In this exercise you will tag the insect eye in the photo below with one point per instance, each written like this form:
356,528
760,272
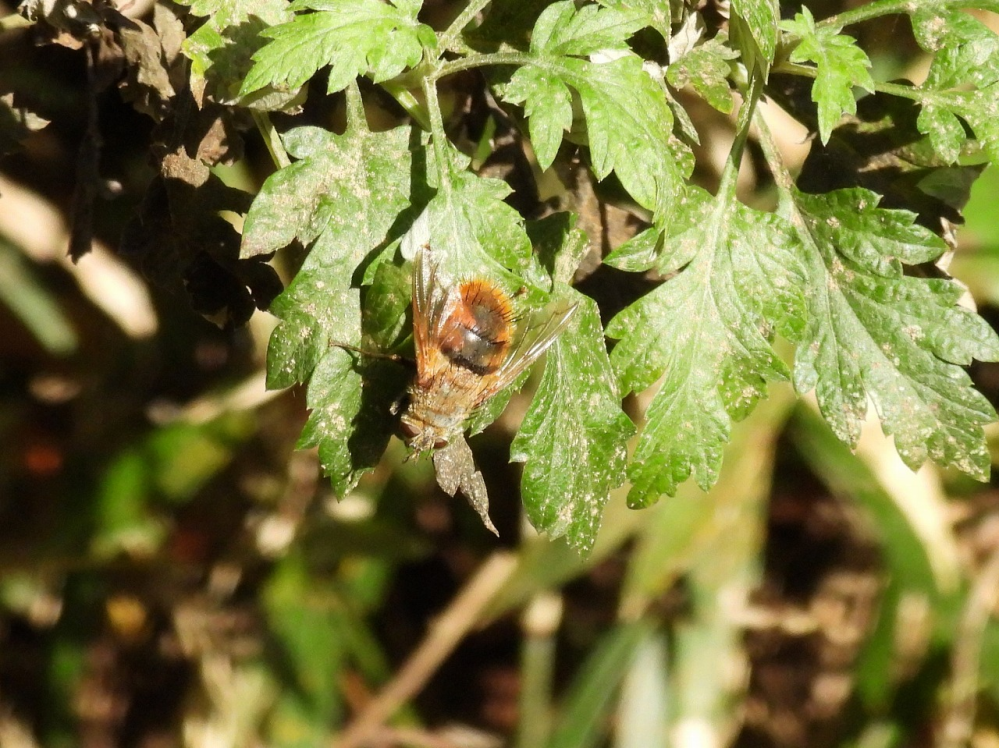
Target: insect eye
409,430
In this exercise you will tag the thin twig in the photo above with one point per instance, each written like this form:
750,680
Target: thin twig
445,633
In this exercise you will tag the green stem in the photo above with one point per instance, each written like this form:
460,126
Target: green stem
271,139
438,137
450,35
782,177
892,89
875,9
731,172
787,205
355,108
407,101
905,92
481,60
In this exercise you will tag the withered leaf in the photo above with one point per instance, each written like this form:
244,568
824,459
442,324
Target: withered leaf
456,471
147,82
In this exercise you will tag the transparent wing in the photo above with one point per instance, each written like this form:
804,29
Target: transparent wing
536,334
429,301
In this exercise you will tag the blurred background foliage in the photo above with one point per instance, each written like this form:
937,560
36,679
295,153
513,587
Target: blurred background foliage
173,572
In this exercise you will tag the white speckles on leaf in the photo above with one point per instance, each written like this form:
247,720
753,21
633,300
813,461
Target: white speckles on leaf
708,344
319,200
573,438
877,333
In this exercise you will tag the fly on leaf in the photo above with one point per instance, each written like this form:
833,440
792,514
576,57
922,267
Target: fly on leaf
469,346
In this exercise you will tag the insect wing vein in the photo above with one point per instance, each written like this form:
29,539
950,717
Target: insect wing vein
538,334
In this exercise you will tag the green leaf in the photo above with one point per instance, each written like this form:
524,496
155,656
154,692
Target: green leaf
977,108
753,30
963,79
638,254
506,22
705,68
899,341
562,29
184,457
574,436
945,131
222,47
124,518
306,619
341,199
548,106
964,49
346,189
840,65
221,14
472,231
656,14
707,332
353,37
628,120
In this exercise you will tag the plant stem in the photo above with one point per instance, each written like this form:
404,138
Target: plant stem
464,612
450,35
271,139
959,715
540,623
781,175
892,89
407,101
481,60
438,137
875,9
731,172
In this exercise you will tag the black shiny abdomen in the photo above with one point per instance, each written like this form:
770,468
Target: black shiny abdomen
475,352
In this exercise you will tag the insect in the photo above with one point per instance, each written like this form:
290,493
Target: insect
469,346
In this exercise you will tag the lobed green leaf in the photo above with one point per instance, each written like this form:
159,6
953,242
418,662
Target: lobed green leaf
342,199
230,35
963,79
705,68
656,14
707,332
877,335
562,29
573,439
753,30
840,66
353,37
628,120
